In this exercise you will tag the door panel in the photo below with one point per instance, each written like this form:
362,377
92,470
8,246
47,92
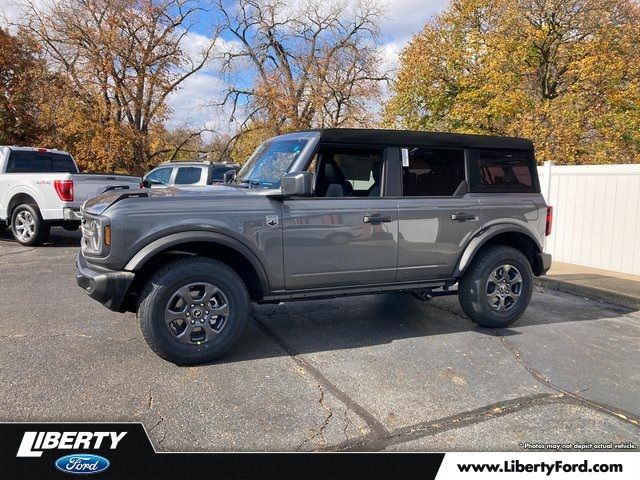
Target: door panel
328,243
430,242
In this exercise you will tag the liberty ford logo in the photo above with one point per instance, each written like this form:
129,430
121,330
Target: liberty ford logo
272,220
82,463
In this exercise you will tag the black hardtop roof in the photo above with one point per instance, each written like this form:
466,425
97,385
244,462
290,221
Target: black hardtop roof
407,138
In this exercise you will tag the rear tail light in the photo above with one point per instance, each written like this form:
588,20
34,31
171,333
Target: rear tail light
547,228
64,189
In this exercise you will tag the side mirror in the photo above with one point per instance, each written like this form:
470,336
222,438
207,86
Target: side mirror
229,176
146,184
297,184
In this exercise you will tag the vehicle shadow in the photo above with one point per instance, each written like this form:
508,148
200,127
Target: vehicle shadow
357,322
59,238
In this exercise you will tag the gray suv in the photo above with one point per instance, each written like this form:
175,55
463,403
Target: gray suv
321,214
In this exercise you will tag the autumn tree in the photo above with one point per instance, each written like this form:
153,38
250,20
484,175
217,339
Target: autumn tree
120,59
565,73
22,77
303,64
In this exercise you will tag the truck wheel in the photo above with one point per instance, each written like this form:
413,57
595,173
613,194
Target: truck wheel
27,225
497,287
193,310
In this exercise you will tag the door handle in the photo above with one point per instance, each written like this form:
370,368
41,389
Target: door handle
464,217
375,219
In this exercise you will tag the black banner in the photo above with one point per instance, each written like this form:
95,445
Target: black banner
123,450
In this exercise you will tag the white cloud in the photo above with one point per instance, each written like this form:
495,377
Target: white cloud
406,17
194,105
9,10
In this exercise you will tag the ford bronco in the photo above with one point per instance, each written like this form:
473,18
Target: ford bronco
317,214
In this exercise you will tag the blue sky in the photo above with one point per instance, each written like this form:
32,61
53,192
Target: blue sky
189,105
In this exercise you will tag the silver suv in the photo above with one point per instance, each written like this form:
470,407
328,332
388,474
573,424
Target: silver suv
321,214
193,173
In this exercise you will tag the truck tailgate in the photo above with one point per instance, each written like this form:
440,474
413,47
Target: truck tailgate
89,185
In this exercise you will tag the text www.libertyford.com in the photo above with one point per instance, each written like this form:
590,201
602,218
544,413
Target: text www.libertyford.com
515,466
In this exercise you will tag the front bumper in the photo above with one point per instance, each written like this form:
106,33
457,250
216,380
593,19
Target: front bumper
108,287
542,263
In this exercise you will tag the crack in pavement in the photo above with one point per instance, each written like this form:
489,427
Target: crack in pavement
616,412
66,335
320,432
17,253
376,428
452,312
458,420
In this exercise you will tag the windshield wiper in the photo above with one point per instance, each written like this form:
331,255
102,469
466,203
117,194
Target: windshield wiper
251,183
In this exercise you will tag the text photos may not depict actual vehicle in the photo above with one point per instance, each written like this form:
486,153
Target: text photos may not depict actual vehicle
319,214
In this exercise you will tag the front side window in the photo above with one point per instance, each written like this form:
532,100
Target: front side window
348,173
270,161
503,171
188,175
432,172
161,176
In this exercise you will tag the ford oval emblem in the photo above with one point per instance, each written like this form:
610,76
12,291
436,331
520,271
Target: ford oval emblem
82,463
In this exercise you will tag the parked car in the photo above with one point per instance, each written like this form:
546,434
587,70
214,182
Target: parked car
423,212
40,188
188,173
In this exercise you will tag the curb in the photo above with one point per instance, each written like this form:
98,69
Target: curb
595,293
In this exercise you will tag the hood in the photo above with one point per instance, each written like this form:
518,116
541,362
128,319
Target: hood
97,205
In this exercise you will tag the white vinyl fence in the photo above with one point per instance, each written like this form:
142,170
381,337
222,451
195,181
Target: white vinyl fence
596,215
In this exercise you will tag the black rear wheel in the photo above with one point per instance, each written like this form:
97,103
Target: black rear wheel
496,289
193,310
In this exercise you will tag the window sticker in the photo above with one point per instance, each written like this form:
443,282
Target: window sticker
405,157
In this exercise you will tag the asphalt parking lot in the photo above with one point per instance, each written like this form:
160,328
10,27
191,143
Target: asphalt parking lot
383,373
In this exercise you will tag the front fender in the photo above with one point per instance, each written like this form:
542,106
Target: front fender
487,233
161,244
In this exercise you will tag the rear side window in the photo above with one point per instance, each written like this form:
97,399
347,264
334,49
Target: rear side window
503,171
188,175
432,172
25,161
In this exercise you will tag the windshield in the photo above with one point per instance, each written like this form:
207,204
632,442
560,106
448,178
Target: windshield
270,161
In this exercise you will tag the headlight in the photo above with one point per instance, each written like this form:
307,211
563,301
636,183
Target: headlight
92,237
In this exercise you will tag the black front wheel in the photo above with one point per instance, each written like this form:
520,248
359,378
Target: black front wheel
496,289
193,310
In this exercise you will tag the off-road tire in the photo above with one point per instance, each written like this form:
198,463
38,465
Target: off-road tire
163,284
41,229
472,288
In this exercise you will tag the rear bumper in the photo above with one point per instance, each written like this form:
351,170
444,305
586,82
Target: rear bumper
542,263
71,214
108,287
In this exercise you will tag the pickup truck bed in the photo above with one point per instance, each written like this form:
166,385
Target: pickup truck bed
49,182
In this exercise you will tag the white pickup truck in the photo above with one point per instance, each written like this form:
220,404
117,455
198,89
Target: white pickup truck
40,188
